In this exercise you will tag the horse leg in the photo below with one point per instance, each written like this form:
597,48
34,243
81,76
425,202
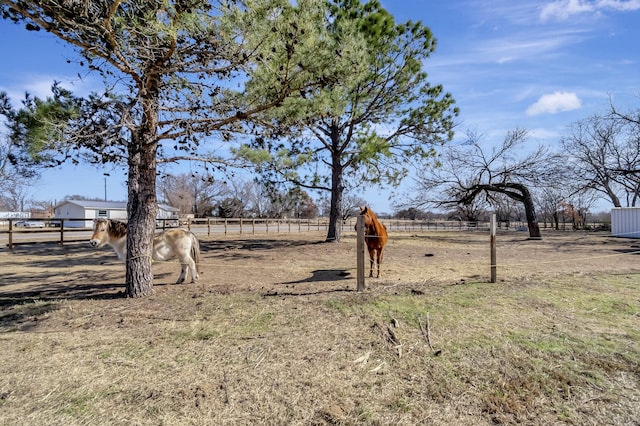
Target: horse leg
187,263
183,273
379,261
194,271
371,261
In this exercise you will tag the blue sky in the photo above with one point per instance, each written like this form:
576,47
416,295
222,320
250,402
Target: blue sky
534,64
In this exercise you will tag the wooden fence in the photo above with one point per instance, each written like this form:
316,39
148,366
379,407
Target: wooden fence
56,231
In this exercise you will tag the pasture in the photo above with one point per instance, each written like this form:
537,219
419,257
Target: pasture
275,333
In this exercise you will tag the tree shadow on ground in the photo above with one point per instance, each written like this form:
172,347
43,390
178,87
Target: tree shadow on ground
52,256
37,277
23,309
329,276
276,293
323,275
632,250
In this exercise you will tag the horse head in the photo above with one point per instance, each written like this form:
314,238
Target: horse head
368,216
105,230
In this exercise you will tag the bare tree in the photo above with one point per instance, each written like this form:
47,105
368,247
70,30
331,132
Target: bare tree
605,156
351,205
469,210
290,202
241,192
506,209
630,164
549,199
510,169
591,145
15,182
192,193
258,198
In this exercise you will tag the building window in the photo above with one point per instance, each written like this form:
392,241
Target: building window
102,213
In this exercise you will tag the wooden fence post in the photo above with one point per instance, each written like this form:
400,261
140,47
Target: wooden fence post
10,245
360,252
492,231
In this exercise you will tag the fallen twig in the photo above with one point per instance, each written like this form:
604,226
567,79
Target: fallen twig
426,331
225,386
363,359
389,336
392,336
374,370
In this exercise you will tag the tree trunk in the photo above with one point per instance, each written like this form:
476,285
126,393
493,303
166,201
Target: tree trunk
335,211
612,195
518,192
142,206
530,211
337,188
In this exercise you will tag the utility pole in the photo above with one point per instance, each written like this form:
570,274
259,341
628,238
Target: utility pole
105,186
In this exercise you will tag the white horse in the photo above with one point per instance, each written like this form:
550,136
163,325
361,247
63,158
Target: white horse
168,244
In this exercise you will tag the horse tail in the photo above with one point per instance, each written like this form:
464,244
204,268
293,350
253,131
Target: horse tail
195,250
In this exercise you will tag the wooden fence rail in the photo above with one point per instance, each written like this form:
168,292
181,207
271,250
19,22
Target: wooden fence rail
58,231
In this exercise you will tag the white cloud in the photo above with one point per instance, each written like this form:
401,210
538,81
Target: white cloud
554,103
622,5
563,9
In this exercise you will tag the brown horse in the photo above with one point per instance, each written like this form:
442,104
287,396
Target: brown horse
375,235
168,244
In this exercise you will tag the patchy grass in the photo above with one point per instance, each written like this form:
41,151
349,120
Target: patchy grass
418,347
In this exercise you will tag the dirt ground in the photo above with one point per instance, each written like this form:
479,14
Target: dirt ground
275,333
303,263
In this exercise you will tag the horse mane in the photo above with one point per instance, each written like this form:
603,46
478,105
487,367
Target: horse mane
117,229
367,211
376,226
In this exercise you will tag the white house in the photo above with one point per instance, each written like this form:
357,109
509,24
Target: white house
81,213
625,222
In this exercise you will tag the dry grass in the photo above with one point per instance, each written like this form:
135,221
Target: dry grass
276,334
